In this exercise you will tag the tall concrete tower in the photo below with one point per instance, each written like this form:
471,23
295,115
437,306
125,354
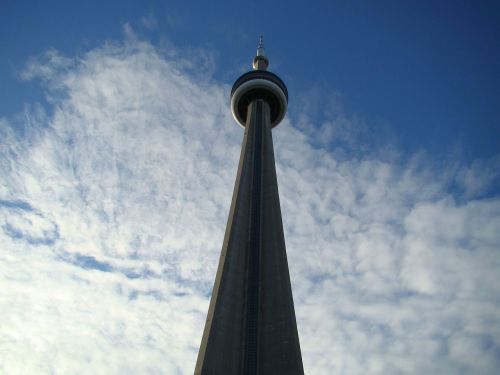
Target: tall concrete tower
251,327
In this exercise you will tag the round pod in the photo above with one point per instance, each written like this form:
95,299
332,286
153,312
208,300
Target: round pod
259,84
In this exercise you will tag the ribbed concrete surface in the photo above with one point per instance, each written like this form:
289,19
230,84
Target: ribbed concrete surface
251,327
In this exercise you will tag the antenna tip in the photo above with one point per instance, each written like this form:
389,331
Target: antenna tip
260,61
260,46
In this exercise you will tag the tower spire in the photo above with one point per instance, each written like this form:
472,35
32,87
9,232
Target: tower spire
260,61
260,46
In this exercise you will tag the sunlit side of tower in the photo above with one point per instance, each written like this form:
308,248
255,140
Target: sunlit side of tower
251,327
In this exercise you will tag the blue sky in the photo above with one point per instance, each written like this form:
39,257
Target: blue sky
426,71
118,155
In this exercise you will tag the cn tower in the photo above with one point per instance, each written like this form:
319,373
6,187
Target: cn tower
251,327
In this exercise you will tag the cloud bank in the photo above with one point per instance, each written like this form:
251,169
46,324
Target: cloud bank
113,204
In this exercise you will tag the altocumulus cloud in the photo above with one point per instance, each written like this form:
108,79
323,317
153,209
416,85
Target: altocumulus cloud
113,207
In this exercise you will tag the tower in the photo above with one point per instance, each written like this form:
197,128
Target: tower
251,327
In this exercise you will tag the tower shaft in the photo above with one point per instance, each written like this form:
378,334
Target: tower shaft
251,327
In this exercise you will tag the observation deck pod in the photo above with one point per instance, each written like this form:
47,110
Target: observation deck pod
259,84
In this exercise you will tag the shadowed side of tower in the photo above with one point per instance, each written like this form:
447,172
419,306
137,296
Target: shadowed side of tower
251,326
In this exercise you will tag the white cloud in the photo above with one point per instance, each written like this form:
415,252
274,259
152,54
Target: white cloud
112,211
479,178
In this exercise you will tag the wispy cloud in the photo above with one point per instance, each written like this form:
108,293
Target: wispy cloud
149,22
112,212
